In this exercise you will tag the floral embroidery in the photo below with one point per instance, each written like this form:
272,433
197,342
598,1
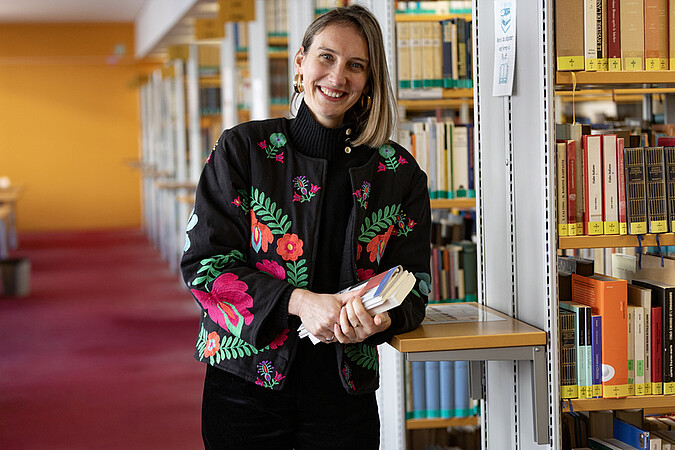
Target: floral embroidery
192,222
424,284
265,369
363,355
261,236
212,344
359,249
363,194
227,304
242,200
297,273
289,247
377,245
266,209
232,347
403,227
377,222
347,374
237,201
214,266
364,274
301,184
272,268
390,161
277,142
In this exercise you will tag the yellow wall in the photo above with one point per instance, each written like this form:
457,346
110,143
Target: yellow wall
69,121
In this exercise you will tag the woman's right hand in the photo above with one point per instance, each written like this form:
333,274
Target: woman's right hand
319,312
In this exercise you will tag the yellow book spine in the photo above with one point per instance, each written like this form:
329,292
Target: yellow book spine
597,390
615,391
612,227
657,388
659,226
562,229
569,391
638,228
633,64
571,63
595,228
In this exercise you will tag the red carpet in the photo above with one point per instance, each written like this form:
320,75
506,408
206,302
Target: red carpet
99,355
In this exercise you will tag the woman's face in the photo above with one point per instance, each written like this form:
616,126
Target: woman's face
335,71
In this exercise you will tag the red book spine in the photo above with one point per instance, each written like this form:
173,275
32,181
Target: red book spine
571,188
584,145
657,344
613,30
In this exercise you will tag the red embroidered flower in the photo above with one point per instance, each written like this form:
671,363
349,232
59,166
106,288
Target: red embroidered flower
227,304
272,268
279,340
377,245
402,160
280,157
212,344
296,197
411,223
237,201
314,188
381,167
262,144
364,274
261,235
289,247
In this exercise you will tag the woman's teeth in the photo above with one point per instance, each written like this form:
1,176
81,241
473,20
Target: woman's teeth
333,94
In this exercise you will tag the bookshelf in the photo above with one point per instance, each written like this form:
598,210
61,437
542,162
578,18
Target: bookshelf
453,203
610,241
643,78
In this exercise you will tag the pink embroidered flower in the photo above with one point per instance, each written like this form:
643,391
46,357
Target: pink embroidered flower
377,245
212,344
381,167
227,304
261,235
279,340
357,193
280,157
296,197
289,247
265,369
237,201
208,158
272,268
411,223
364,274
263,144
314,189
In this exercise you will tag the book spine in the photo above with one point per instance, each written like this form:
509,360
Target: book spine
639,352
590,35
630,434
419,403
447,53
568,355
593,224
416,76
403,54
636,204
601,35
668,343
427,54
596,351
610,185
657,350
561,196
571,189
621,186
446,388
432,389
632,34
631,350
656,34
671,35
462,398
655,186
669,156
614,35
569,16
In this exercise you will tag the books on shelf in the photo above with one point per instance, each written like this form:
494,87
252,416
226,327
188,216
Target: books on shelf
381,292
624,35
583,334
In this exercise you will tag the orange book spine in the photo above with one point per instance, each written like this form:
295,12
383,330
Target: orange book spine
608,297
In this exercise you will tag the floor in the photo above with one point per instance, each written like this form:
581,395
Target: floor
99,354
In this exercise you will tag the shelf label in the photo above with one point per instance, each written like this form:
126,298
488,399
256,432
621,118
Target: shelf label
505,47
236,10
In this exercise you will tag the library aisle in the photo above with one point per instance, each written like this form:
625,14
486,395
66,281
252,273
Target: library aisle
99,354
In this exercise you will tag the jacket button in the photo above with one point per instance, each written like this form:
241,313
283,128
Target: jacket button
348,149
348,131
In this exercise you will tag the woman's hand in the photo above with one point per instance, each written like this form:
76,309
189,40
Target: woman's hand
319,312
356,324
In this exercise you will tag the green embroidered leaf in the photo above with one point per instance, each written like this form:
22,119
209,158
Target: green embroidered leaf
267,211
295,274
381,220
363,355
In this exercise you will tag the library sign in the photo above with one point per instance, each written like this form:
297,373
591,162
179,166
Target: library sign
505,47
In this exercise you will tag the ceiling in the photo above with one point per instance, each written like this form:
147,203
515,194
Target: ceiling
27,11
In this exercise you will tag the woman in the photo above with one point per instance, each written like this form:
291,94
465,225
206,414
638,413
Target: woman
288,212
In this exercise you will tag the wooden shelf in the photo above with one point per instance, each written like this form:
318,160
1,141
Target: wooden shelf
651,402
610,241
489,334
449,203
625,77
426,105
412,17
423,424
277,41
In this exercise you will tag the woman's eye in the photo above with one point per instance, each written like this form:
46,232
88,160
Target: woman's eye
357,65
326,56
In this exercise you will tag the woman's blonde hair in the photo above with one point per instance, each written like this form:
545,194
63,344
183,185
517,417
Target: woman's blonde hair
377,122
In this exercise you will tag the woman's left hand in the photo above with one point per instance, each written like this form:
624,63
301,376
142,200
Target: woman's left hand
356,324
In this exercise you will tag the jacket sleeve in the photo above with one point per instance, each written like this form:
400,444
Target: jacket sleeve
246,302
411,251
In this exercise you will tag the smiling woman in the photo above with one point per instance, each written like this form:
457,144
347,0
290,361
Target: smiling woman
287,213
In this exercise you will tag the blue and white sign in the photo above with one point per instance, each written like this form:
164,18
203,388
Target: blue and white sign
505,47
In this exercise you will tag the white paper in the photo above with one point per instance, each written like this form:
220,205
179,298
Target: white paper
458,312
505,47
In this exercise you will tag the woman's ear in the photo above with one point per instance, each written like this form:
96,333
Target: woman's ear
299,57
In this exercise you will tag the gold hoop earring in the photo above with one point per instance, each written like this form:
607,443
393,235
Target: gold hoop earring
366,102
297,83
